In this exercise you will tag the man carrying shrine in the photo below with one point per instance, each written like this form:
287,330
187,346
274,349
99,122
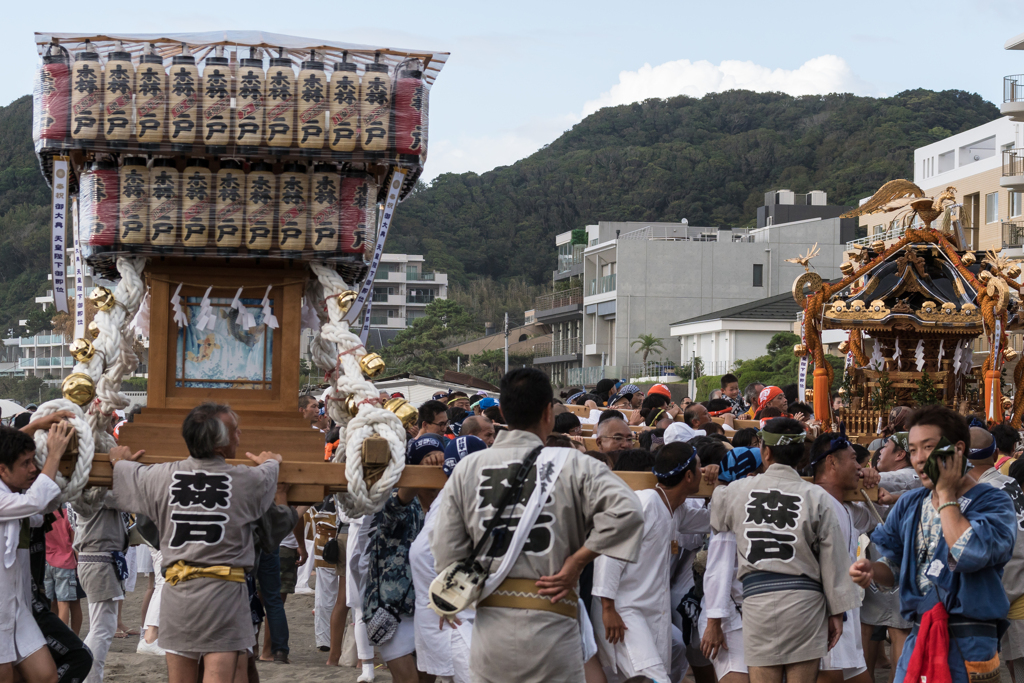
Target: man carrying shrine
790,551
204,509
526,630
946,544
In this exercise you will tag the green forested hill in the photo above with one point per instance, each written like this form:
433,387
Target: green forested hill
24,217
709,160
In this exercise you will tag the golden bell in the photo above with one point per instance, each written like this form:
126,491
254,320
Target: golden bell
984,276
1010,354
405,412
82,350
78,388
372,365
847,268
351,407
878,246
799,349
93,329
844,346
346,299
1013,272
968,259
102,297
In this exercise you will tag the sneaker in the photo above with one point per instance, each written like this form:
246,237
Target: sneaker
144,648
324,648
281,657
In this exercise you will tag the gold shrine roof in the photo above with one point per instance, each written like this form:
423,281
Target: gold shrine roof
916,287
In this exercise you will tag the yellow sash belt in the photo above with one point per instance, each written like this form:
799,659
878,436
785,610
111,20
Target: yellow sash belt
179,571
522,594
1016,609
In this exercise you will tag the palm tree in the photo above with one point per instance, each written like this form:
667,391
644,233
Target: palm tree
646,343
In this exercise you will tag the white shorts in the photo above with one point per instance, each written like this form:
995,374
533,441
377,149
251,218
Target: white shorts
731,660
144,558
402,643
27,638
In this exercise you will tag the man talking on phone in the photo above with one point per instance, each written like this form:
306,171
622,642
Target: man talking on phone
946,544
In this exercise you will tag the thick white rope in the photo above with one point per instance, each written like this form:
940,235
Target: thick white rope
337,351
69,488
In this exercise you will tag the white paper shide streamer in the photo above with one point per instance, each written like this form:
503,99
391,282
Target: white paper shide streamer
896,355
268,312
179,314
206,319
919,354
246,320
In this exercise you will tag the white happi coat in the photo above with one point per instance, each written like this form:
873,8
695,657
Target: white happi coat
15,578
641,593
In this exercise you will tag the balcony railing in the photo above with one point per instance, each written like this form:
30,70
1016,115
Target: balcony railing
380,298
1013,162
893,234
652,368
560,347
567,261
1013,235
590,376
378,320
570,297
381,275
417,275
26,362
419,298
602,285
1013,88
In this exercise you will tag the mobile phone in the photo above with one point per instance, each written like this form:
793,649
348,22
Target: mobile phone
931,466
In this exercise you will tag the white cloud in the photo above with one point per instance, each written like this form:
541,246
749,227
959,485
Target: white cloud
817,76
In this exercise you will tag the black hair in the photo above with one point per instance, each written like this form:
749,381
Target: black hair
525,395
430,410
655,415
717,404
494,414
744,437
728,379
611,415
800,407
14,444
792,453
203,430
583,398
712,451
1006,437
305,399
820,445
767,412
646,439
21,420
714,429
863,454
1017,470
719,436
566,422
558,441
671,456
456,415
791,392
952,424
634,460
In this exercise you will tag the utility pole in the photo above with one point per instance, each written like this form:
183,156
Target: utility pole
506,343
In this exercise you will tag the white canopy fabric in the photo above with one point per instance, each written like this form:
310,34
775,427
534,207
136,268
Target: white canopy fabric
201,44
9,408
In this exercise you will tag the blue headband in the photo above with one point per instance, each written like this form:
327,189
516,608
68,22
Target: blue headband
573,397
838,443
983,453
678,469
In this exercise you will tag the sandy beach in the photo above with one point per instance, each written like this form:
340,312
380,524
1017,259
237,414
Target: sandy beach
124,665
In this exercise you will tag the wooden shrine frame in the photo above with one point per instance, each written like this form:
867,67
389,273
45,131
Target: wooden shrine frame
289,284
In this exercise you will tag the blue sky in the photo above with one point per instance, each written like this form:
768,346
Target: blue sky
522,73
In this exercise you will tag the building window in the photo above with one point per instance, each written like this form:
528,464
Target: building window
759,275
992,207
1015,203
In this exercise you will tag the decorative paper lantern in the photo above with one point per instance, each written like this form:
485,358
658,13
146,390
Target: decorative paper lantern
98,189
102,298
325,208
343,93
250,103
86,97
118,89
216,100
134,203
82,350
259,209
280,102
54,95
372,365
196,206
293,214
357,198
78,388
375,107
164,204
183,100
411,114
151,100
312,100
229,207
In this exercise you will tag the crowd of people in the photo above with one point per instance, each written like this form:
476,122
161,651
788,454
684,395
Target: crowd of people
560,571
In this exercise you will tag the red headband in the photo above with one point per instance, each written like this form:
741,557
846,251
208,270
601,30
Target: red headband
767,394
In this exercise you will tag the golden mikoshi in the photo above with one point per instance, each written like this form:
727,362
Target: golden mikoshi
82,350
78,388
372,365
102,297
